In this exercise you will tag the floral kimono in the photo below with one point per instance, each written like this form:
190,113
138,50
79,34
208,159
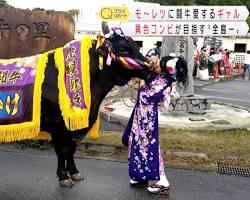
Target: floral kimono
141,134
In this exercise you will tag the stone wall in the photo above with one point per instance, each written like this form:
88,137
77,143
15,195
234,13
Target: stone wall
190,104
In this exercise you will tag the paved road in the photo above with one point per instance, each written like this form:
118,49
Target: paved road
30,175
235,92
107,126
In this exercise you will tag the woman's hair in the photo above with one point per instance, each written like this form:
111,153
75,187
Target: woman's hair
181,69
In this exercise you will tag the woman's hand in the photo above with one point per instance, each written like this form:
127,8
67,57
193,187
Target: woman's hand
155,63
161,103
142,82
138,82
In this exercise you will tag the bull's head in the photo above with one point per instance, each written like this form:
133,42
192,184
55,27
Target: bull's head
121,54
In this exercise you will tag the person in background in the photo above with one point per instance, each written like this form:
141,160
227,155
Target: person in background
155,51
224,63
141,135
196,60
214,60
231,58
246,66
227,53
203,58
211,63
158,49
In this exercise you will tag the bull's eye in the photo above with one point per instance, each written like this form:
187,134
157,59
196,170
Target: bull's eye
124,50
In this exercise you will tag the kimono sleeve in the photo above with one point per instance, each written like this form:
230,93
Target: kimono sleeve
154,92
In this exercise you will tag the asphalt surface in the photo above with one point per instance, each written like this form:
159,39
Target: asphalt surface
108,126
30,175
236,92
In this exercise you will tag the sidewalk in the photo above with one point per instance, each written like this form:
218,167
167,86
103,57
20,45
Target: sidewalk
200,83
221,116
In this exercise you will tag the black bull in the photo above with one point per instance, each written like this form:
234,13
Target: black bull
26,34
101,82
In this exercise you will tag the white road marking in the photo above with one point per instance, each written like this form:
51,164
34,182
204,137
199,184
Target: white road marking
216,97
231,91
237,82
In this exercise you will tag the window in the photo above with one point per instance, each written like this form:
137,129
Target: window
240,47
139,43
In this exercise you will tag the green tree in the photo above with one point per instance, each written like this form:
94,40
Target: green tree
171,2
4,4
225,2
202,2
162,2
181,2
248,21
73,12
247,4
38,9
198,2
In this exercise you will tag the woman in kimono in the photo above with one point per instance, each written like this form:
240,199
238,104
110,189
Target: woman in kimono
141,134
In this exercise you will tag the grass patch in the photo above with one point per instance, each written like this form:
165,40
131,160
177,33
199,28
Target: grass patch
26,144
233,143
229,147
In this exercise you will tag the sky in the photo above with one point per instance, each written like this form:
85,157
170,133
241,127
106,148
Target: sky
62,5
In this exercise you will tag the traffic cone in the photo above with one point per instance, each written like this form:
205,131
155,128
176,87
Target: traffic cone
239,69
216,71
227,70
230,71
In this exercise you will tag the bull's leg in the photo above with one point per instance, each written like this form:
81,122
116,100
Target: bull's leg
61,143
70,165
64,179
52,121
63,176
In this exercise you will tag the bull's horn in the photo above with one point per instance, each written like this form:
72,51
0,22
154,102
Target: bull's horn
105,28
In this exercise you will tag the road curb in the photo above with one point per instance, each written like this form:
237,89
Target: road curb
118,149
231,105
216,81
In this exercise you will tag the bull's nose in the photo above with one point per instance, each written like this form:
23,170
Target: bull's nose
146,64
142,63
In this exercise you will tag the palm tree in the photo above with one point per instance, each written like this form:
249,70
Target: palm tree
74,13
4,4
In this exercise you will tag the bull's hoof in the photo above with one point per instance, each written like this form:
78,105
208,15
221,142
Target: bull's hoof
77,177
66,183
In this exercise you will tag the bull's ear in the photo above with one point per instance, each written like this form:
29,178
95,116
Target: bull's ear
101,48
100,41
105,28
